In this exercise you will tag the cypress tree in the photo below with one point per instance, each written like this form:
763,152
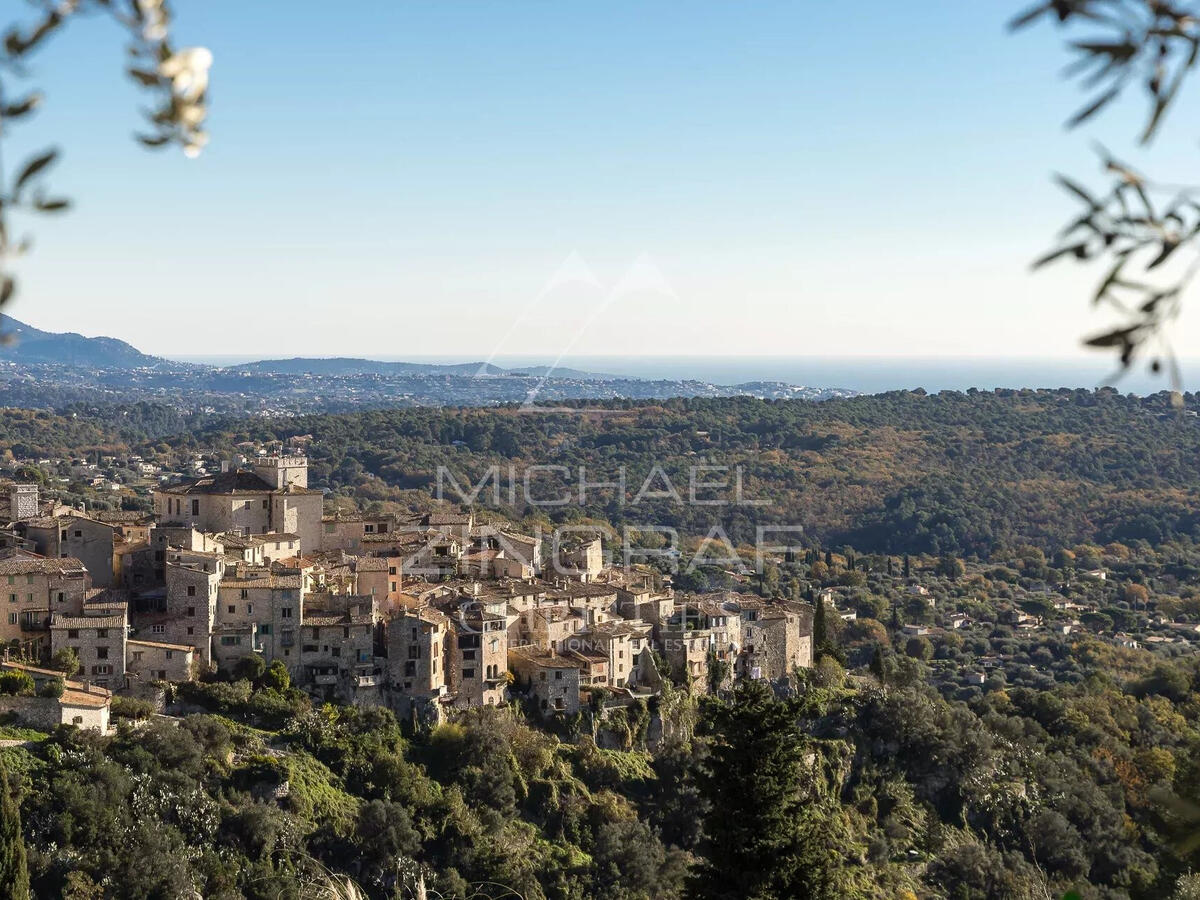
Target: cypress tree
877,665
820,629
14,873
766,836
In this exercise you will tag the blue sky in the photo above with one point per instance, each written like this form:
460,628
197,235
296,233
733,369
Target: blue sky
402,178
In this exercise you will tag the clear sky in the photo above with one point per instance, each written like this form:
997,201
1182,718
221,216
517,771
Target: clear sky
408,178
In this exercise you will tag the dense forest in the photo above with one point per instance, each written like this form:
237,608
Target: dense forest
1071,764
964,473
851,786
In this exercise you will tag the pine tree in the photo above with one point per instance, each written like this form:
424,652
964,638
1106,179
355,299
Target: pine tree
766,836
14,874
907,566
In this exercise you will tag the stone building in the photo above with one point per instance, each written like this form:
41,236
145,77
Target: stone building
189,610
272,498
259,611
72,534
31,588
550,681
418,647
479,657
776,640
99,643
148,661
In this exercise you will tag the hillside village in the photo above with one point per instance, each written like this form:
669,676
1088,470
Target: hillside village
423,614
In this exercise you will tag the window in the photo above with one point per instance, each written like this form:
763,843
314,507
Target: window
392,571
191,611
468,654
191,629
79,534
369,529
72,633
309,648
170,654
137,655
61,597
264,504
285,612
264,629
101,632
330,528
191,592
195,507
468,673
12,598
230,640
558,674
158,629
249,609
232,609
101,653
63,536
12,618
102,670
245,593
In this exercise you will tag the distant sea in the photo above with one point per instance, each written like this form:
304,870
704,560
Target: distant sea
869,375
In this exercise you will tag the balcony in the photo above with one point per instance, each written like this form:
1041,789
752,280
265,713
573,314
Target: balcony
40,623
325,680
367,680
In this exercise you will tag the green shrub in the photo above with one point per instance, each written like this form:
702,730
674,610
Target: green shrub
132,708
16,683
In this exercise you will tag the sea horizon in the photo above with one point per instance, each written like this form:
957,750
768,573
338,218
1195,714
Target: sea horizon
868,375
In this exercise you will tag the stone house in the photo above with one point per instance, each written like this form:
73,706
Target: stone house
479,657
99,643
776,641
551,681
31,588
418,648
339,642
346,531
189,611
259,611
82,704
148,661
272,498
77,536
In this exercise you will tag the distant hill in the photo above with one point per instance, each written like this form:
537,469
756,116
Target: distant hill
33,346
342,365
